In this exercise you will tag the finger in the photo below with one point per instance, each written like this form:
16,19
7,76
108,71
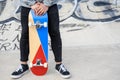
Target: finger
35,11
40,11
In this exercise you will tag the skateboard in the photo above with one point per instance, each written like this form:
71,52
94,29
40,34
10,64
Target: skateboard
38,43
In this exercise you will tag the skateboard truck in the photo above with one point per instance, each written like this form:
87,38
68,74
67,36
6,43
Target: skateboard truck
38,24
38,63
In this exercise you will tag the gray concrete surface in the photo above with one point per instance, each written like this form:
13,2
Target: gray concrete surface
84,63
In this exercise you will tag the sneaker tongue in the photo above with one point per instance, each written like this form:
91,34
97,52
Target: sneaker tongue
62,68
19,68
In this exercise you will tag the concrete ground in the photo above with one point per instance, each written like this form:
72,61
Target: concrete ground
84,63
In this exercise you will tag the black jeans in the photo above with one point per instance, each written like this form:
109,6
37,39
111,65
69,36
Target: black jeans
53,29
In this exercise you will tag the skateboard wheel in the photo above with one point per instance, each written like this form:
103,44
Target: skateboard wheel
30,24
31,65
45,24
45,65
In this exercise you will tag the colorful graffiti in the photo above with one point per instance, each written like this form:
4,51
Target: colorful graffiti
84,10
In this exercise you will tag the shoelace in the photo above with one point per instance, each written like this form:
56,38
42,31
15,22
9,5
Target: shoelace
62,68
19,68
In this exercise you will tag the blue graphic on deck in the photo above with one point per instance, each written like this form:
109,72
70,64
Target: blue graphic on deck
42,31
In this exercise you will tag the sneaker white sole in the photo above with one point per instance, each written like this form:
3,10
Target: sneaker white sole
18,76
64,76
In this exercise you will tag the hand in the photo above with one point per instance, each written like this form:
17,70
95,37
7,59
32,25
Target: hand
35,7
42,9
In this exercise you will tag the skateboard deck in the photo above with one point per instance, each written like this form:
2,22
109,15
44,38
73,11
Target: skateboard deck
38,43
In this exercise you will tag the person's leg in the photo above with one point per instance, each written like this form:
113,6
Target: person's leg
56,43
24,41
53,28
24,45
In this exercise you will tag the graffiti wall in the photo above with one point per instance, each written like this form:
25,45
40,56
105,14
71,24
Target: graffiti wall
82,10
10,36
